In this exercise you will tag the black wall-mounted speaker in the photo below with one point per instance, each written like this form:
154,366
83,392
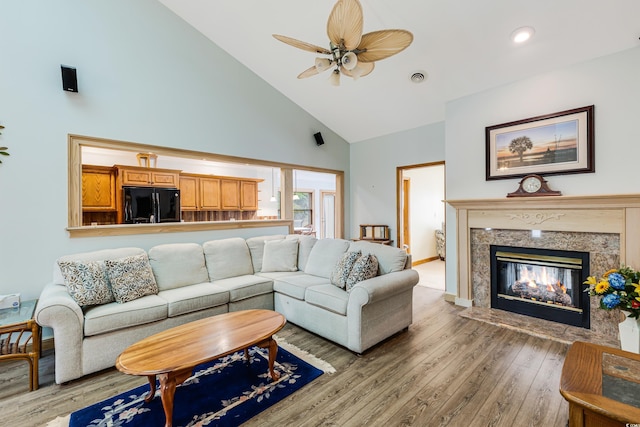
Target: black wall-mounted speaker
69,79
318,137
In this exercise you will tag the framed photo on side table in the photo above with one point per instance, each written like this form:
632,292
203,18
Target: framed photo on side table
554,144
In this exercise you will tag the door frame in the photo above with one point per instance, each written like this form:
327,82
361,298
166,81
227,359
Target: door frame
401,197
405,243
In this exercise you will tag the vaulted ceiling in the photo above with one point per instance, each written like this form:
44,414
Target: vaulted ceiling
462,46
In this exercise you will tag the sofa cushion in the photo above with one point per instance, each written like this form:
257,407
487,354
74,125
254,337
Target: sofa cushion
100,255
86,282
243,287
296,285
256,248
278,274
390,258
112,317
329,297
131,277
341,271
365,267
178,264
194,298
227,258
305,244
280,255
324,256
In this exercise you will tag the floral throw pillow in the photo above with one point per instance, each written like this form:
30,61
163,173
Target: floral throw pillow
86,282
131,278
342,269
364,268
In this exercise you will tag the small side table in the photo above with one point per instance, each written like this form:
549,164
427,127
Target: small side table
379,241
18,331
602,386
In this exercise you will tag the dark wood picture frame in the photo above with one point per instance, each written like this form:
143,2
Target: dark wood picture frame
538,146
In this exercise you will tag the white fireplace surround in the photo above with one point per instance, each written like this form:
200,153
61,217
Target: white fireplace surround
619,214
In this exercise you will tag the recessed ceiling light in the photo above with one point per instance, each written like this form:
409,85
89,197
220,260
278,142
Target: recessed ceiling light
522,34
418,76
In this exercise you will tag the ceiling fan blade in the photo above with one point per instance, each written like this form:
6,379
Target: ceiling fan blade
382,44
361,70
311,71
345,24
302,45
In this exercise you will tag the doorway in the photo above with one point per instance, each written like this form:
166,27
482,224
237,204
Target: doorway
421,215
328,215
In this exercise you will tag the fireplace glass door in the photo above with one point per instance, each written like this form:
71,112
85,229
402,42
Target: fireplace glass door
542,283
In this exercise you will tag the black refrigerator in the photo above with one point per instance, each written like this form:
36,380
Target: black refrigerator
150,205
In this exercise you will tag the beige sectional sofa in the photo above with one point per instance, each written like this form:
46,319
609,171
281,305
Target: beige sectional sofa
314,283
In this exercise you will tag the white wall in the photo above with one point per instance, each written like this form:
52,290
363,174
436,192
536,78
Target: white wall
373,172
145,76
426,209
610,83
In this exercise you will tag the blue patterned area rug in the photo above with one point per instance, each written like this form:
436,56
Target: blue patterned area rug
224,392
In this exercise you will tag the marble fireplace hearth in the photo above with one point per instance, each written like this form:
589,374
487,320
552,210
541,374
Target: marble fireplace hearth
565,334
606,227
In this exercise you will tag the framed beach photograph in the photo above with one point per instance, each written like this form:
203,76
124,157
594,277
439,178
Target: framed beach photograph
554,144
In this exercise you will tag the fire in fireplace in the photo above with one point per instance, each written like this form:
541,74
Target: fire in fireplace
543,283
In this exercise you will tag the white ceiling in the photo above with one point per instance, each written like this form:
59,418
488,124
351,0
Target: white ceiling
463,45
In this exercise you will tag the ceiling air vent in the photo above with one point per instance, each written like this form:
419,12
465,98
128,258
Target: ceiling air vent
418,77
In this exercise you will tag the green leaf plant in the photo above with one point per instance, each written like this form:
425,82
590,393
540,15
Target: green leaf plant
2,149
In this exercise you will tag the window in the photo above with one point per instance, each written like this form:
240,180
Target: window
303,209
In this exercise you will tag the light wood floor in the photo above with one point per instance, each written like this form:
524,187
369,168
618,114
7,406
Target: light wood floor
444,371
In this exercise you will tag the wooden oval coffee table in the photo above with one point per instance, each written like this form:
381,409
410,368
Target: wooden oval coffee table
171,355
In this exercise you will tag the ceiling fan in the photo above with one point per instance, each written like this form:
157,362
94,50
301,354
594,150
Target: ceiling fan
350,52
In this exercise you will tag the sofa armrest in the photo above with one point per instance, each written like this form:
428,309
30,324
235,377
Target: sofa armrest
56,307
382,287
58,311
379,307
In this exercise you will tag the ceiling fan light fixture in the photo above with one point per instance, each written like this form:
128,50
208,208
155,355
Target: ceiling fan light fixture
348,46
334,79
356,72
323,64
522,34
349,60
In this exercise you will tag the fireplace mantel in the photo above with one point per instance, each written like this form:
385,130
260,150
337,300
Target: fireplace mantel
618,214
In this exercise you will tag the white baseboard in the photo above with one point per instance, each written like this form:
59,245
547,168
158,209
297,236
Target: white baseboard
450,297
464,302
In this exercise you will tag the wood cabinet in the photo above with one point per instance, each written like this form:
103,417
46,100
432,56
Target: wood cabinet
202,197
209,193
230,194
137,176
189,198
249,195
199,192
147,177
239,194
218,198
99,204
98,188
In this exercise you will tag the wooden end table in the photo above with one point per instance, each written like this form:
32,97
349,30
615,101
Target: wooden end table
602,386
172,354
18,331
